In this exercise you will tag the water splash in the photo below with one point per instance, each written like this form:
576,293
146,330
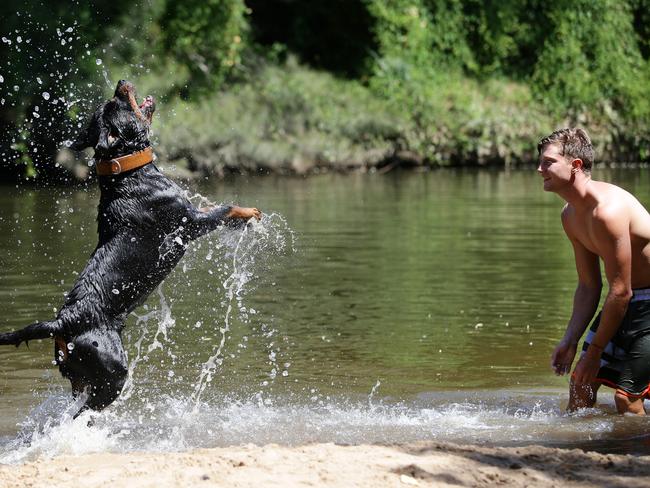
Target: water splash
269,237
164,321
373,392
238,259
234,286
174,424
50,92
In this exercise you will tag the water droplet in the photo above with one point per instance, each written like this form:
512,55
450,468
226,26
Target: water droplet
46,95
2,80
16,88
70,346
98,61
115,291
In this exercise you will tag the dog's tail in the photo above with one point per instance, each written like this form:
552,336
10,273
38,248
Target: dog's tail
39,330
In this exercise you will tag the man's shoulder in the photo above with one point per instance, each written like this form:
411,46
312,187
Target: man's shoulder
605,188
613,202
568,219
567,212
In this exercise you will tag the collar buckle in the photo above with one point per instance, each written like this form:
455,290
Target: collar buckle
116,167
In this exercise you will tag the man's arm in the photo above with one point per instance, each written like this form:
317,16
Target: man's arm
585,301
611,234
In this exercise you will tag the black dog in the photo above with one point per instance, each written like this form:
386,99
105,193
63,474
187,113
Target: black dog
145,223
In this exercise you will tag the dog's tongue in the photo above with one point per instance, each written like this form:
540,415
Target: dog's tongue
147,101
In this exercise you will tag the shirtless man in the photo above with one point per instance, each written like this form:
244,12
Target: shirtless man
603,222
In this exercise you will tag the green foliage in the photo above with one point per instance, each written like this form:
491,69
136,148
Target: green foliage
591,57
641,13
333,35
287,118
446,81
582,61
207,36
46,50
419,35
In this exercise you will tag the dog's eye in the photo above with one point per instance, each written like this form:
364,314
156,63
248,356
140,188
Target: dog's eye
95,343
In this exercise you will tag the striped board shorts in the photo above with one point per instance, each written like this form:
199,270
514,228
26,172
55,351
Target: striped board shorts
625,361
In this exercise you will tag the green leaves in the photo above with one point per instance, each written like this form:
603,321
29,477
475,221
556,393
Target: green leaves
207,36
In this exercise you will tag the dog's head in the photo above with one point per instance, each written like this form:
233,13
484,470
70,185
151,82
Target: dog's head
119,126
125,94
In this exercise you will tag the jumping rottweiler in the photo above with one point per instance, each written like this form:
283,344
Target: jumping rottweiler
145,222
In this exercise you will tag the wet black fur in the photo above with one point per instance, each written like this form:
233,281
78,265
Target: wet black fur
145,222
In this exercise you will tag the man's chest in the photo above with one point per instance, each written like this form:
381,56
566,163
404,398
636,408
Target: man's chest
583,232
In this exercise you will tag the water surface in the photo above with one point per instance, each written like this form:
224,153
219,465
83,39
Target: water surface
364,308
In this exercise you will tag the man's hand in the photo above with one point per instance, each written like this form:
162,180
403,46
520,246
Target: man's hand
245,213
587,368
563,356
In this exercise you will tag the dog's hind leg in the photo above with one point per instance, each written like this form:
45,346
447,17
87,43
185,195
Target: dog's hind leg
39,330
102,392
98,366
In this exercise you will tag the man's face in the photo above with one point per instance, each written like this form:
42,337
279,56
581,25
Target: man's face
554,168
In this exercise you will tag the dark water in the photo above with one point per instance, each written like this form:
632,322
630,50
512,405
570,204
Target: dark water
365,308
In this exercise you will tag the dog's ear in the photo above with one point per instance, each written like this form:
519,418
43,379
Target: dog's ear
103,141
90,135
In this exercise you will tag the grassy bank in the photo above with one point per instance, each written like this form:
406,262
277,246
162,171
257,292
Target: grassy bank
291,119
295,120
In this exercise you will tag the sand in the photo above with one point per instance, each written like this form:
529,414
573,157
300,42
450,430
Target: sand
418,464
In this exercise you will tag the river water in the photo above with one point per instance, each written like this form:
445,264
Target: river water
363,308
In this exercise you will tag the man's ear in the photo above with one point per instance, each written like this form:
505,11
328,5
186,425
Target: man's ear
576,165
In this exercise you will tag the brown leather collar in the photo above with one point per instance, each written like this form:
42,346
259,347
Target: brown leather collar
113,167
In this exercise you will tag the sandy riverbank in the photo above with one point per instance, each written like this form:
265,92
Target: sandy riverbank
418,464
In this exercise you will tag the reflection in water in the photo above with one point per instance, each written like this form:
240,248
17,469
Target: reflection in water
410,306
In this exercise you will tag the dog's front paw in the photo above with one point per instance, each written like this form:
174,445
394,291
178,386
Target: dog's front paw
247,213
